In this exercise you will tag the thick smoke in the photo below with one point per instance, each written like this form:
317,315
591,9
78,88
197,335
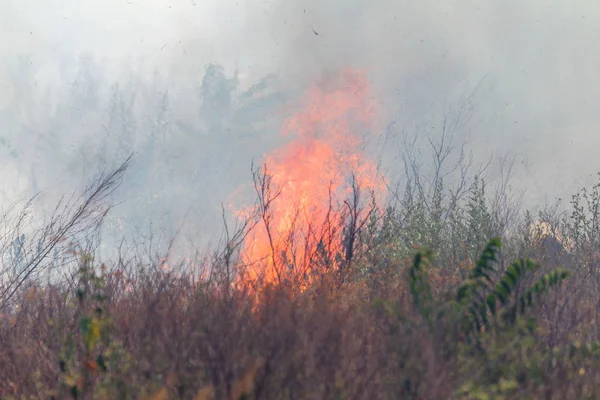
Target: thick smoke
197,90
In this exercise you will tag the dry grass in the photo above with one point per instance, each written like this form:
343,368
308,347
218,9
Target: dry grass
167,337
135,331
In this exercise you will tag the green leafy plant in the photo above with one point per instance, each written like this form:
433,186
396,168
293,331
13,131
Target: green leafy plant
490,313
92,362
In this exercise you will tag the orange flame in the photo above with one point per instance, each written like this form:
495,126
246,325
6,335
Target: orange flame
304,185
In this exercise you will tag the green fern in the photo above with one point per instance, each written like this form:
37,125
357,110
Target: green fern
482,303
480,299
551,279
482,315
480,275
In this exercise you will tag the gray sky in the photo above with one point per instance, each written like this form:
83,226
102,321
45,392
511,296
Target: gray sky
536,60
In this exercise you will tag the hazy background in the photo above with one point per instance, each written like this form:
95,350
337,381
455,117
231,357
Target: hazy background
84,83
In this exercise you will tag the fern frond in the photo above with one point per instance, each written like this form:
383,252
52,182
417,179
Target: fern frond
512,276
484,264
549,280
480,275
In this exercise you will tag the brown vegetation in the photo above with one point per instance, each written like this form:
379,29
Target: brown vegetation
459,321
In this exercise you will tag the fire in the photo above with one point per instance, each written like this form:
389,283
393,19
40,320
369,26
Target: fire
308,187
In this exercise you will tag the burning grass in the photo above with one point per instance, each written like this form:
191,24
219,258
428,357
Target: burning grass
311,187
167,335
324,293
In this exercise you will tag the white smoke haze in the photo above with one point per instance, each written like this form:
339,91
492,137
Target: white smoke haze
84,83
